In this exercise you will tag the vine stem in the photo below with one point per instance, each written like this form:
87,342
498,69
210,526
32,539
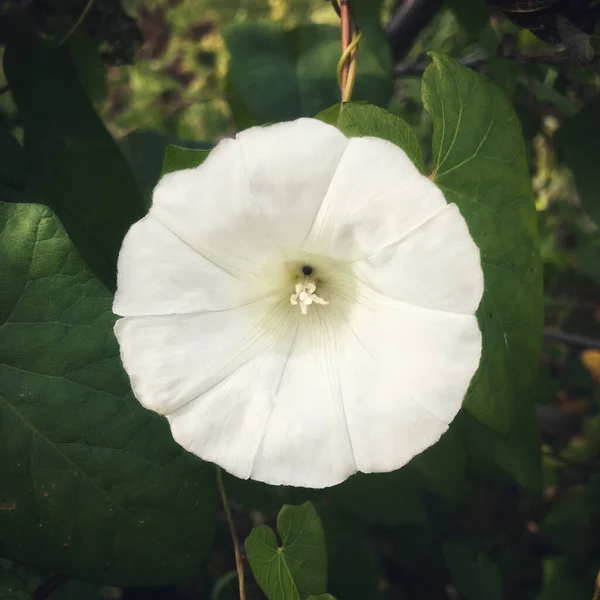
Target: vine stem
345,17
239,565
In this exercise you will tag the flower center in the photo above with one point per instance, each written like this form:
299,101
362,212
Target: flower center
304,292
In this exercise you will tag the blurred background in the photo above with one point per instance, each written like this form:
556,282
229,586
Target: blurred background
190,72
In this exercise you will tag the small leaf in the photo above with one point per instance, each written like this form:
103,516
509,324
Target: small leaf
297,568
74,164
177,158
480,165
93,485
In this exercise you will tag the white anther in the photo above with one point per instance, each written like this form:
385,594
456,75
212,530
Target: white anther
305,295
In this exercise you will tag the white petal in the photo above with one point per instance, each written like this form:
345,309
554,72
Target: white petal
252,196
159,274
290,167
376,197
435,266
172,360
404,373
306,440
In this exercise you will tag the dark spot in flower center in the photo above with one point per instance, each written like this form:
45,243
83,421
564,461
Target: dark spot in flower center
307,270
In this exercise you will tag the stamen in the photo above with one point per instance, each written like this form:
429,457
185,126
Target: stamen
304,295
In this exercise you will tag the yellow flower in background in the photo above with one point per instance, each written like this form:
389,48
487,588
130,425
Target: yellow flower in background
301,306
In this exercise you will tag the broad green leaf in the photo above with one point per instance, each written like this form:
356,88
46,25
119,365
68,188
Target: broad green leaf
177,158
73,162
297,568
577,141
387,499
480,165
276,75
93,485
366,120
89,65
476,577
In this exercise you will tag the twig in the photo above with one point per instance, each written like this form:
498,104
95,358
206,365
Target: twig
77,23
239,565
48,587
572,339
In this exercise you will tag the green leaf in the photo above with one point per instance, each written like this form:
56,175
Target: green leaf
277,75
387,499
577,141
476,577
322,597
443,467
472,15
145,153
93,485
89,65
480,165
73,162
177,158
356,120
297,568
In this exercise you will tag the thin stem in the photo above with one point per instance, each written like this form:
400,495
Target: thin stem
346,38
571,339
77,23
239,565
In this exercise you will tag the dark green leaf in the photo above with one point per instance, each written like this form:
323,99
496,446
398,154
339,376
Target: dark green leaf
297,568
322,597
74,164
89,65
349,551
577,142
145,152
12,161
480,165
473,15
276,75
177,158
93,486
388,499
443,467
476,577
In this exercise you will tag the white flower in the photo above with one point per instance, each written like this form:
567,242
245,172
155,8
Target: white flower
301,306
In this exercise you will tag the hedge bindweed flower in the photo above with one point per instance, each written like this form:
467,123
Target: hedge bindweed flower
301,306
